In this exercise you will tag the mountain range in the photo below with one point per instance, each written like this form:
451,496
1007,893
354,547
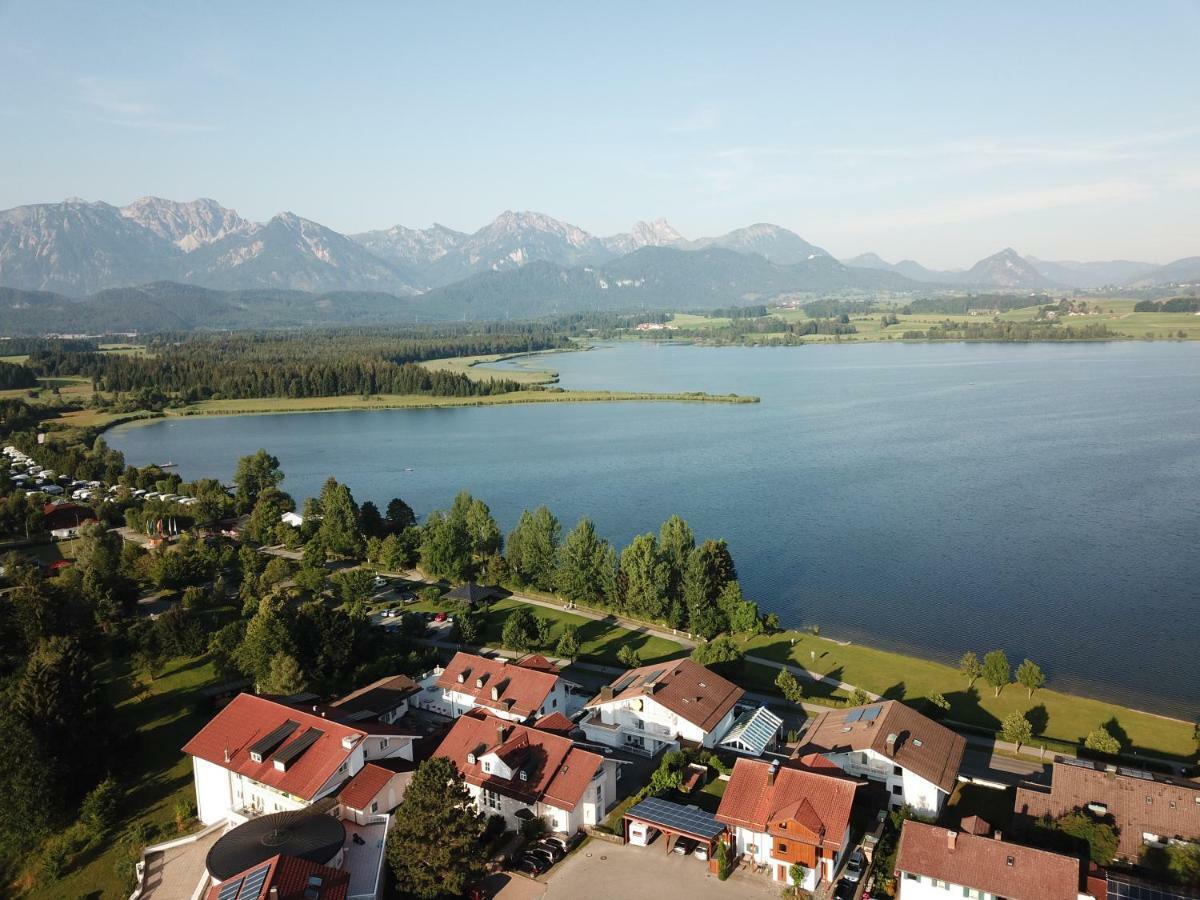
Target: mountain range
76,249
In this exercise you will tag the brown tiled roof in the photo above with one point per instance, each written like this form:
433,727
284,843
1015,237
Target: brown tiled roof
686,688
289,876
557,771
538,663
997,867
1138,802
378,698
922,745
521,691
248,718
365,786
819,802
556,722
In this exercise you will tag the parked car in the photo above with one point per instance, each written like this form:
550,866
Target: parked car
390,613
845,890
854,867
439,617
568,843
380,582
540,853
684,846
555,849
531,865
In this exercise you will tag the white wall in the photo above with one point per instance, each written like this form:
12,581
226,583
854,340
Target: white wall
764,844
658,718
214,795
923,796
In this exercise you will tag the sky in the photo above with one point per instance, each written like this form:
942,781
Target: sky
934,131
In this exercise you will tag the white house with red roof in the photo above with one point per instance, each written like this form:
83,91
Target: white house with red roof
375,790
784,815
258,756
655,707
520,772
283,878
506,689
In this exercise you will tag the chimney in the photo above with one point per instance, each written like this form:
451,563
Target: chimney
998,835
274,894
649,686
500,730
771,772
951,839
891,743
606,692
226,754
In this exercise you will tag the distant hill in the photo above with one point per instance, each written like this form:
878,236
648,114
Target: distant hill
1091,275
776,244
168,306
1182,271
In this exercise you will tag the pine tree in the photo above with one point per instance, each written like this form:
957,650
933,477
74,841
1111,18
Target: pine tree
436,802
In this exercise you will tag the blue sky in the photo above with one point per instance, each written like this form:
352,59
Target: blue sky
941,132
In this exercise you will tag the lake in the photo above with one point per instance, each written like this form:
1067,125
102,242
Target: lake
923,497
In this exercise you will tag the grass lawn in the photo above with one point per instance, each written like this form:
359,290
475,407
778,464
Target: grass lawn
757,677
1056,716
689,321
477,369
160,724
599,641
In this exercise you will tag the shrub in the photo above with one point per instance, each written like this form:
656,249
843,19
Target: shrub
532,829
496,826
723,861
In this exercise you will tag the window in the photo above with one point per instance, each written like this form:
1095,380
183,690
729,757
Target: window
383,743
487,765
781,847
897,789
490,799
374,806
897,771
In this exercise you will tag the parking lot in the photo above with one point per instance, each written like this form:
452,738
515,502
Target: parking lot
602,871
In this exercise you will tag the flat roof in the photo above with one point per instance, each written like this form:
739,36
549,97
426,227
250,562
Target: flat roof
687,820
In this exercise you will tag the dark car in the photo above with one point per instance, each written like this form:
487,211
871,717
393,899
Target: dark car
555,849
531,864
845,890
541,853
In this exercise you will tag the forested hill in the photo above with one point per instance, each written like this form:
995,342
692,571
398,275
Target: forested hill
653,278
167,306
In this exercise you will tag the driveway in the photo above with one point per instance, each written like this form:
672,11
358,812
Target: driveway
601,871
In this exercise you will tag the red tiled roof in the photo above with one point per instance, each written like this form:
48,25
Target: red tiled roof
819,802
986,864
556,722
538,663
922,745
558,771
1139,803
519,690
684,687
247,719
290,877
365,786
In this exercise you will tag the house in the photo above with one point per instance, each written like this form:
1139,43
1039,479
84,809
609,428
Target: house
916,758
784,815
63,520
934,862
471,594
656,707
258,755
505,689
375,789
521,773
1147,810
284,878
385,700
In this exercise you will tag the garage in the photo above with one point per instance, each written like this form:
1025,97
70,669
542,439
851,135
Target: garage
674,820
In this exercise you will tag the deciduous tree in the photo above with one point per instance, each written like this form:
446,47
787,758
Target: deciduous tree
970,668
1030,676
996,671
1016,729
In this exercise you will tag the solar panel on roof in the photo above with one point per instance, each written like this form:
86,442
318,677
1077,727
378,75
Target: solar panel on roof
262,748
292,751
623,683
229,889
676,817
254,883
654,676
853,716
1122,887
871,713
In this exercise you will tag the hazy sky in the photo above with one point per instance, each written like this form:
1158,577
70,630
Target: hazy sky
941,132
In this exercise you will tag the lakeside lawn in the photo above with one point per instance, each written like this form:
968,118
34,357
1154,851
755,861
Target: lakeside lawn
160,723
1055,716
478,368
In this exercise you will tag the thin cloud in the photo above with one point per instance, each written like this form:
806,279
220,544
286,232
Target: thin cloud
700,118
114,103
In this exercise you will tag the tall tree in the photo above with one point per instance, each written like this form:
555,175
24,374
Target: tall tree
255,473
520,631
339,520
582,564
284,676
399,515
445,547
646,578
482,530
996,670
676,541
436,802
1030,676
268,633
708,569
533,548
970,668
1016,728
370,522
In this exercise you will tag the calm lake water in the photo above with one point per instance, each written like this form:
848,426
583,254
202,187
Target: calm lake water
931,498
